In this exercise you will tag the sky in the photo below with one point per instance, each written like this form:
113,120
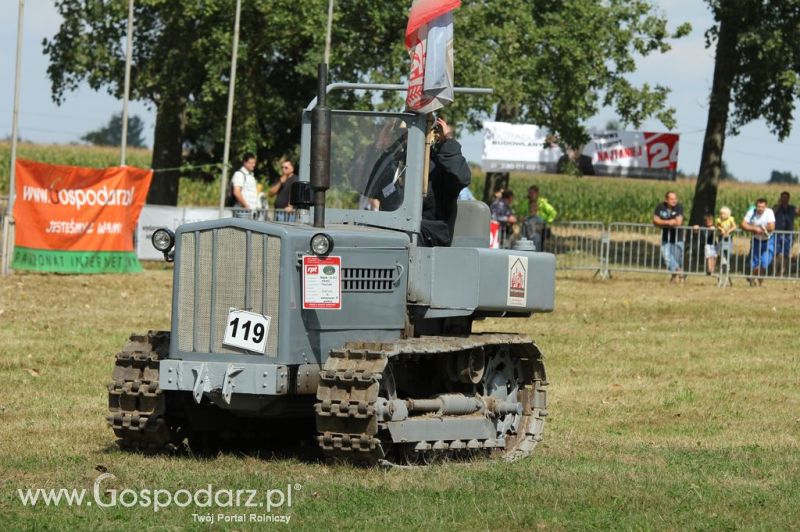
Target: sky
687,69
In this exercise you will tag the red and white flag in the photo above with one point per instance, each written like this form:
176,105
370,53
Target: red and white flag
429,39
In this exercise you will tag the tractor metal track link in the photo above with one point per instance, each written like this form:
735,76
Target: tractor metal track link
136,404
350,384
348,389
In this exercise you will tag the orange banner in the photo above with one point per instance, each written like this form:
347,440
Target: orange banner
72,209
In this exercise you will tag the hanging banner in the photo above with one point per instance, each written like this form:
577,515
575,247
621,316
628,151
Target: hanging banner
429,39
77,220
529,148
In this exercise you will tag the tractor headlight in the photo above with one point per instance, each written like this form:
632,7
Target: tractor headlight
163,240
321,244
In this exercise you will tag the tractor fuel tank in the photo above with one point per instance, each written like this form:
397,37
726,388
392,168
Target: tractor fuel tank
460,281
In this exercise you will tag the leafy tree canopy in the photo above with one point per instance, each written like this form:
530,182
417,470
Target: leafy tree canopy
551,63
756,75
783,177
111,133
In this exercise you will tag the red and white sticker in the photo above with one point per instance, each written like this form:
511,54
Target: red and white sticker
322,282
517,294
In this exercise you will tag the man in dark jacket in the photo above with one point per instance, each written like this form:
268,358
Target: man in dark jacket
447,175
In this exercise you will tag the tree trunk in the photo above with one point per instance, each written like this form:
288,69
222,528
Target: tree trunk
505,113
725,65
167,152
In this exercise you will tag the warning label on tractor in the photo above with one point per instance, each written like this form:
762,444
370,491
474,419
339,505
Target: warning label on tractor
517,281
322,286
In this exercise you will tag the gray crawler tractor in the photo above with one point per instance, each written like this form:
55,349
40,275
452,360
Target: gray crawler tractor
342,320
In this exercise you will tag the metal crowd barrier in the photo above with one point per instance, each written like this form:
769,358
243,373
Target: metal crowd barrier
577,245
640,248
776,257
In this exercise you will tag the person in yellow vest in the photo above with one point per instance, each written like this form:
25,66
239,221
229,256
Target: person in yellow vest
540,215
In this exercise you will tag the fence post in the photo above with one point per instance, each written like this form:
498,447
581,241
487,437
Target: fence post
605,246
724,279
7,245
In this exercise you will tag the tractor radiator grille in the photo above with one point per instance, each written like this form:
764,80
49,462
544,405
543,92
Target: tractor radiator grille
223,268
368,279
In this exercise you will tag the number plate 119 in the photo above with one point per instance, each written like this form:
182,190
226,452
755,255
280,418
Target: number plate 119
247,330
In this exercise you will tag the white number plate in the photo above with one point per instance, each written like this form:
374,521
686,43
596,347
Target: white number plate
247,330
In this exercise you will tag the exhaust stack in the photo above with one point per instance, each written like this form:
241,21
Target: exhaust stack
320,147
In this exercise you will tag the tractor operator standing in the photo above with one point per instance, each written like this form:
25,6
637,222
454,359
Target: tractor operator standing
448,174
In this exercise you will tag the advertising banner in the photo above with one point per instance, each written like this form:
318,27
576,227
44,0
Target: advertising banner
77,220
529,148
160,216
155,217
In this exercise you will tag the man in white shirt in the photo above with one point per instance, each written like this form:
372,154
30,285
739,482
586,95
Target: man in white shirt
243,184
760,222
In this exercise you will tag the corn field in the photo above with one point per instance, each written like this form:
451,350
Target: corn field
603,199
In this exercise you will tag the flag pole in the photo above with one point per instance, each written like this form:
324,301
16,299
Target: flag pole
128,54
429,137
223,182
8,220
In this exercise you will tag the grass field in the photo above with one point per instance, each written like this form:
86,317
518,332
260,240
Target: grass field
671,407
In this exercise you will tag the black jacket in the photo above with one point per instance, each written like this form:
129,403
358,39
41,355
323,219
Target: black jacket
447,175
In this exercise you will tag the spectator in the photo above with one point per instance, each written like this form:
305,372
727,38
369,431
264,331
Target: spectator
668,216
707,236
501,208
502,214
760,222
281,191
544,210
784,221
533,227
725,225
244,187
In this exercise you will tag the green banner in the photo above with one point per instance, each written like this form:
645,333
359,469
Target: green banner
44,260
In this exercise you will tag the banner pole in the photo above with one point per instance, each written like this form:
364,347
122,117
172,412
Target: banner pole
223,182
8,220
128,54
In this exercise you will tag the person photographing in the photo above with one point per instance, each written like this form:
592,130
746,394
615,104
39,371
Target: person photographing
448,174
281,191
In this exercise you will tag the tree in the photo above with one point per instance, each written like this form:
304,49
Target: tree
555,64
725,174
111,133
783,177
181,66
551,63
756,71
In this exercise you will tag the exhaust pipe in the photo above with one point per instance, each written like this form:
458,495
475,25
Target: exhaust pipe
320,147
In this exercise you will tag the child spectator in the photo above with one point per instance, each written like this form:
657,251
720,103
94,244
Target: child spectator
725,225
711,245
707,234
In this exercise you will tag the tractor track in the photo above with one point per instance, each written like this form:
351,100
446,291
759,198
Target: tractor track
350,385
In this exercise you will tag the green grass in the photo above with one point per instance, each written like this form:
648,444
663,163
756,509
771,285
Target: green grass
671,407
